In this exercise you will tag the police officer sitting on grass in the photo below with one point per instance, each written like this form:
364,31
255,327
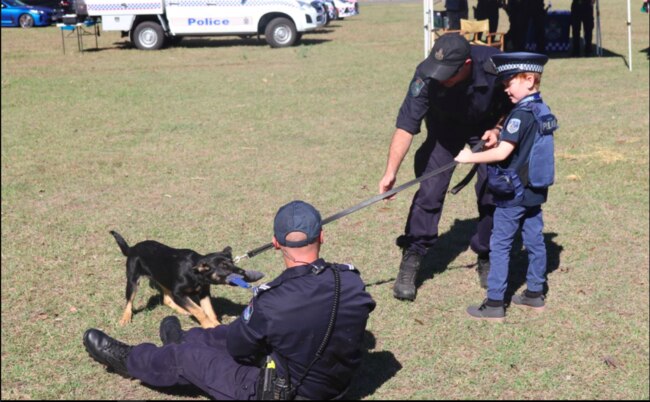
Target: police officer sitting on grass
305,327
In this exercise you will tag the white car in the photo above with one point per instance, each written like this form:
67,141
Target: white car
150,24
345,8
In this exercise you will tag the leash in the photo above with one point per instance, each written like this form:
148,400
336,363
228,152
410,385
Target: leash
375,199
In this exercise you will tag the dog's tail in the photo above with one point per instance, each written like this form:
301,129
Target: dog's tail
121,242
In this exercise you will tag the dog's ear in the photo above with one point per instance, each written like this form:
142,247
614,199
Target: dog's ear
227,251
202,267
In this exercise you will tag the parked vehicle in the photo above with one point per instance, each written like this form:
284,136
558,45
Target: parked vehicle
53,4
15,13
67,6
150,24
330,10
345,8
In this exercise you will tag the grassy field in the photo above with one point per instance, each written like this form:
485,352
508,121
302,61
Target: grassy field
198,145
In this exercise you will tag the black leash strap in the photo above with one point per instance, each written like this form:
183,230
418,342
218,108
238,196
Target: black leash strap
461,184
374,199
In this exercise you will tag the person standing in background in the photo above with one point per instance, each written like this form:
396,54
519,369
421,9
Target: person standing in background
582,13
456,9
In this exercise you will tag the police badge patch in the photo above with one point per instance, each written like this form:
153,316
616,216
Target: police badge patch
513,126
416,86
248,312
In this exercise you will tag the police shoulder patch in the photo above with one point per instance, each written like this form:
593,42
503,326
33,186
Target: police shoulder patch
416,87
513,126
248,312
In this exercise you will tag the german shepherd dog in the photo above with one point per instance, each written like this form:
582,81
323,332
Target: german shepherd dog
183,276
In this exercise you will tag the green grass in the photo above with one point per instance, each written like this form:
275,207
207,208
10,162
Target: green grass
198,145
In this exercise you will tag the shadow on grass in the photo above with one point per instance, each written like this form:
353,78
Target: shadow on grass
519,264
448,246
606,53
202,42
456,241
376,368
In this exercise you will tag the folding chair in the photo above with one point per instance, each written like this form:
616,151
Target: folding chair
477,33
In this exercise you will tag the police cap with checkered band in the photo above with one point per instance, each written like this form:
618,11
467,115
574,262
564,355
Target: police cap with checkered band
509,64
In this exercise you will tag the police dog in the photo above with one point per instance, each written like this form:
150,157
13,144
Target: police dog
183,276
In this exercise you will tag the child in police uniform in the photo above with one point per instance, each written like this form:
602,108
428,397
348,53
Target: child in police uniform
514,179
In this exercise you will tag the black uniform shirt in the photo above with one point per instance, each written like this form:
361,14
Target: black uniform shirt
289,317
456,5
468,108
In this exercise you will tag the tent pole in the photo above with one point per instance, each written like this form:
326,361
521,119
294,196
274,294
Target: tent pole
427,27
629,36
599,40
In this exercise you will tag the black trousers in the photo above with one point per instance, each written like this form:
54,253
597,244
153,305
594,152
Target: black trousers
421,230
582,14
454,18
521,18
488,10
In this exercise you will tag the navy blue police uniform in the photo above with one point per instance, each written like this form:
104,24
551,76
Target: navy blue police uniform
522,209
287,318
454,117
456,9
525,15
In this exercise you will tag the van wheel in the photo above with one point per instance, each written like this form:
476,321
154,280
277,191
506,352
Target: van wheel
25,20
148,36
280,32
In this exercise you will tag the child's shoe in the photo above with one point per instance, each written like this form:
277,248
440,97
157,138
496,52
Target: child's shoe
524,300
487,313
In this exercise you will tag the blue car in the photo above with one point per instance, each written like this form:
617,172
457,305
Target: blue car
15,13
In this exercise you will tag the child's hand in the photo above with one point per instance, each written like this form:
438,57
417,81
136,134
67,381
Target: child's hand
490,137
464,156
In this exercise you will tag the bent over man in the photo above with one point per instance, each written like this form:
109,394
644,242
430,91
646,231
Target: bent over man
454,90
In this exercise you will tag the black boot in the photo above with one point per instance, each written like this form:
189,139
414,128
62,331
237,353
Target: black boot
404,287
107,351
170,330
483,269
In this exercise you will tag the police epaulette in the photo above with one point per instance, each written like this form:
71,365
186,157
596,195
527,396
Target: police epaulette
346,267
257,290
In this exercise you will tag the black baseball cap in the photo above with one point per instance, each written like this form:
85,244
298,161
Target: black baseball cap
447,56
297,216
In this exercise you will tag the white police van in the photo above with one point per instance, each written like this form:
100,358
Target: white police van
150,24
